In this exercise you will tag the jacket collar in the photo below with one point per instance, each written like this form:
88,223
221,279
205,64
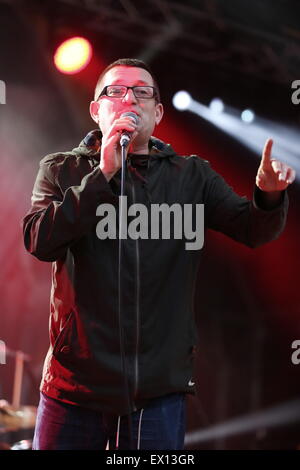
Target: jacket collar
91,144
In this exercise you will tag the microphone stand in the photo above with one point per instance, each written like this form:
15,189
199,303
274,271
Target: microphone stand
124,141
20,358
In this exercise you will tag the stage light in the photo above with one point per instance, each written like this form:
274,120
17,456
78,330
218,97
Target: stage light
216,106
182,100
247,116
232,121
73,55
279,415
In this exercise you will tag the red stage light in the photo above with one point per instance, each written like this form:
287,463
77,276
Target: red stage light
73,55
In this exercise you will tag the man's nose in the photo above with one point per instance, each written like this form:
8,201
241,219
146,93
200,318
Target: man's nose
130,96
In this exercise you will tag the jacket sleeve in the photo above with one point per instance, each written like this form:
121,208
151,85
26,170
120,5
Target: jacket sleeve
58,217
241,219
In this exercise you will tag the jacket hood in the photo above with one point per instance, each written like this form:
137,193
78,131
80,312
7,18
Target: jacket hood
91,144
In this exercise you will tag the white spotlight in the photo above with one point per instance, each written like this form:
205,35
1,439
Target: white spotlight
216,106
182,100
247,116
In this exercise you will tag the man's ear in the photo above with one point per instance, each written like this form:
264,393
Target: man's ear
159,112
94,111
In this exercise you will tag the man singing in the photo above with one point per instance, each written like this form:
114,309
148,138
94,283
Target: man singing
121,380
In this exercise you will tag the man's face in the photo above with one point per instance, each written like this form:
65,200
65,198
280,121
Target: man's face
106,109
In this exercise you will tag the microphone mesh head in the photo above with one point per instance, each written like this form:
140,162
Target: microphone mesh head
131,114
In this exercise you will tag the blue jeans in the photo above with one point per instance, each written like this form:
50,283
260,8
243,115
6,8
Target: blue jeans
159,426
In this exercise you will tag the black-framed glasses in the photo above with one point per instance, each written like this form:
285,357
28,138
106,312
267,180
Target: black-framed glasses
120,91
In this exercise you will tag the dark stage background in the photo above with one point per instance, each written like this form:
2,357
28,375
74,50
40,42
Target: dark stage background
247,301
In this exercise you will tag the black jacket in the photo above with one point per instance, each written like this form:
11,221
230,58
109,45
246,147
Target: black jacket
83,365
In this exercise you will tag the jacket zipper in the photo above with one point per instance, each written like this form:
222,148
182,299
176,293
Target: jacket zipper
137,293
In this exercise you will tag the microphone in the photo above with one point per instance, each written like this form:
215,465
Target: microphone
126,136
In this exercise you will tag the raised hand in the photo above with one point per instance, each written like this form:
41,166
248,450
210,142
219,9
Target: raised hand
273,175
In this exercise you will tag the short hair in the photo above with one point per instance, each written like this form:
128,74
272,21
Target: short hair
128,63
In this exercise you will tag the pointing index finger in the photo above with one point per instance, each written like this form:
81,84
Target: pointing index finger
266,155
